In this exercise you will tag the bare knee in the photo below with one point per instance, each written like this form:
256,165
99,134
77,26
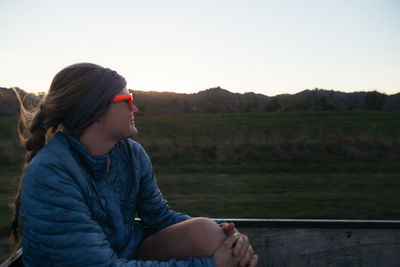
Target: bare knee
205,235
198,237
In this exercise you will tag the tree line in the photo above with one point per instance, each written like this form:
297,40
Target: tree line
218,100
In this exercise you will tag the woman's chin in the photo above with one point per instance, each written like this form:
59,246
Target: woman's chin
133,131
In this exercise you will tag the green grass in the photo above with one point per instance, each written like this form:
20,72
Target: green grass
271,136
277,165
10,174
8,130
270,128
284,195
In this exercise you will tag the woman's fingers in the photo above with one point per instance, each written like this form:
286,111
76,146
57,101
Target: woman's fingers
238,246
245,261
243,251
223,255
241,246
254,261
230,241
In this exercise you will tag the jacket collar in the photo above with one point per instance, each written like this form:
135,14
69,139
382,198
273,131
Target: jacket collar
96,165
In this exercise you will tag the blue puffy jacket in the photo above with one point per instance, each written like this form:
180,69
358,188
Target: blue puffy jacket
79,210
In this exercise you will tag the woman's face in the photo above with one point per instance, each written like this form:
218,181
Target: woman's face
118,121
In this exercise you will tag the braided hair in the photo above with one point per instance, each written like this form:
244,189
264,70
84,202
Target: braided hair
37,125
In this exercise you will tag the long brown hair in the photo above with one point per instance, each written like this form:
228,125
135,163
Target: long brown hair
36,125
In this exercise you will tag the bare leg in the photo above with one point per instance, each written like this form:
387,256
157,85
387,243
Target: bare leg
198,237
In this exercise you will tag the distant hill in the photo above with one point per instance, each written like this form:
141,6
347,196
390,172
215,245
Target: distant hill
392,102
319,99
213,100
218,100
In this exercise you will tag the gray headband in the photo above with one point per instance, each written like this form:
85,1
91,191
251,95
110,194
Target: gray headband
95,103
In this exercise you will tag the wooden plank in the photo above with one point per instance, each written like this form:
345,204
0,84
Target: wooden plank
325,247
315,223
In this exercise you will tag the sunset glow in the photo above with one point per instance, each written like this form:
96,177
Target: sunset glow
268,47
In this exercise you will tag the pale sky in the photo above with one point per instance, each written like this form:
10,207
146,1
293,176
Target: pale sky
268,47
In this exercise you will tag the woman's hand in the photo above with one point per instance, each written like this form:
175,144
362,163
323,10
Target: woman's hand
223,256
242,248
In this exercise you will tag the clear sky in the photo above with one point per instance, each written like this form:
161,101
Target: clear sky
268,47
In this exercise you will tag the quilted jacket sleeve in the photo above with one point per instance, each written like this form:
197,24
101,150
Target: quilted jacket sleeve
152,208
59,230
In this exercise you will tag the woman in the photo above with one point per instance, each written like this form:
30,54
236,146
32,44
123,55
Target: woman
81,190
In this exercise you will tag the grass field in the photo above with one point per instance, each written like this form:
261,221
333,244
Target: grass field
285,195
271,136
337,165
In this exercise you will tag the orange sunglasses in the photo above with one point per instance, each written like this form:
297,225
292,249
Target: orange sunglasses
123,98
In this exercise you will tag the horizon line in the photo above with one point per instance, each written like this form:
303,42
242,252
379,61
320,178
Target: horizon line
219,87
